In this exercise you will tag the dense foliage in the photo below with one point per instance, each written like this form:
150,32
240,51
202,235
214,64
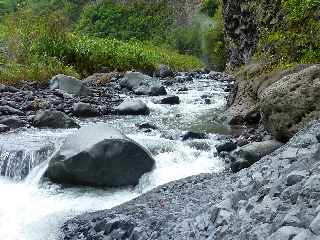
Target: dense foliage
293,37
133,20
38,41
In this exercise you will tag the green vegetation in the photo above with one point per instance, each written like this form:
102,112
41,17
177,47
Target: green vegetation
134,20
43,38
205,37
294,39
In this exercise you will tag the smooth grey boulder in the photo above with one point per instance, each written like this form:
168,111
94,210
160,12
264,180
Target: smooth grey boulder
142,84
7,110
54,119
13,122
85,110
69,85
99,156
253,152
132,107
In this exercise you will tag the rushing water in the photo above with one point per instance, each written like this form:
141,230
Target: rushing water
31,210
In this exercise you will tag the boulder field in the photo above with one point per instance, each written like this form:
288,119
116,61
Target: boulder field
277,198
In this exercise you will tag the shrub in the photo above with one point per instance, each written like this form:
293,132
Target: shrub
39,47
295,39
139,19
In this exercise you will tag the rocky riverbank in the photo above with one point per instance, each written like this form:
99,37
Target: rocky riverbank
276,198
66,99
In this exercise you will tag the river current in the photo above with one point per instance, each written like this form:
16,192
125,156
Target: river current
31,209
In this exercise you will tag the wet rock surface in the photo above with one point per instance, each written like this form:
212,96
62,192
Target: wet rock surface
99,156
276,198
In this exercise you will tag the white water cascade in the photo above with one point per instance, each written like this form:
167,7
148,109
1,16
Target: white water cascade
34,210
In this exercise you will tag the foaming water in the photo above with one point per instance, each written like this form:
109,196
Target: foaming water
32,210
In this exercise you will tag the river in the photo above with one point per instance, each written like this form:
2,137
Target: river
31,209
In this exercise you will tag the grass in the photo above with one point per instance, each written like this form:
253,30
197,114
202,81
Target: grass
40,47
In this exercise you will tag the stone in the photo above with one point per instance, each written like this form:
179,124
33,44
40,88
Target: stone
69,85
226,146
7,110
99,156
147,126
13,122
4,128
285,233
85,110
193,135
54,119
247,155
295,177
142,84
164,71
315,225
133,107
170,100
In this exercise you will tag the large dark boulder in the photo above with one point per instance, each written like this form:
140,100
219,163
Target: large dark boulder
69,85
85,110
54,119
132,107
172,100
142,84
99,156
249,154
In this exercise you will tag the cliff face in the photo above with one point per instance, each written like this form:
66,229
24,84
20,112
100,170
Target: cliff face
243,21
279,34
241,32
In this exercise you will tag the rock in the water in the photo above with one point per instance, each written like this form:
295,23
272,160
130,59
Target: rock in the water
291,102
193,135
13,122
253,152
164,71
69,85
4,128
133,107
226,146
147,126
7,110
54,119
142,84
99,156
170,100
85,110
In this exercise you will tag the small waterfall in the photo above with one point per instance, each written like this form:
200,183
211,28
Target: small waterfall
17,164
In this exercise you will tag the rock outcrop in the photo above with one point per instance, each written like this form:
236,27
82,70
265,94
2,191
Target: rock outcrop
99,156
284,101
276,198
